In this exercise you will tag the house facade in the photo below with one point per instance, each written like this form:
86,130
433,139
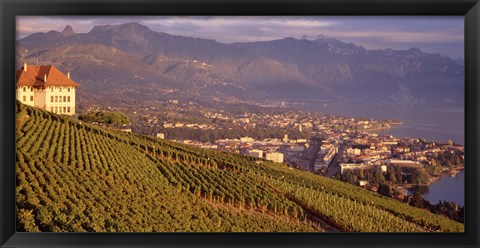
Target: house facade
47,88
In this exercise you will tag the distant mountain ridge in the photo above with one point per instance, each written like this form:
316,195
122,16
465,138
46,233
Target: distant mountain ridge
353,70
324,68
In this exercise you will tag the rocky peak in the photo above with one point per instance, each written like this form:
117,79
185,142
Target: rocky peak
414,49
67,31
127,29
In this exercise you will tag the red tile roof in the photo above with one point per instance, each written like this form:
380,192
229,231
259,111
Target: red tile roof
35,75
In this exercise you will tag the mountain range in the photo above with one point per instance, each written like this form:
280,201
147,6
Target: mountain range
130,61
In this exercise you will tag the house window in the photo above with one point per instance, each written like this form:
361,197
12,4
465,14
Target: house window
31,98
60,98
68,89
51,100
64,109
56,109
68,98
68,109
51,109
64,99
24,98
60,89
56,98
24,89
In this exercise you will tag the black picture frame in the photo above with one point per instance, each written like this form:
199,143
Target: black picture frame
470,9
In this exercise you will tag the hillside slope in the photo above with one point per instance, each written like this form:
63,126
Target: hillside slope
76,177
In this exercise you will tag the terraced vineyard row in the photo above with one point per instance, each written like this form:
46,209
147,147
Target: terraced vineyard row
96,185
421,217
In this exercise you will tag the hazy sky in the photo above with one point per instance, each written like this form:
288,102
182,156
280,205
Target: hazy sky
432,34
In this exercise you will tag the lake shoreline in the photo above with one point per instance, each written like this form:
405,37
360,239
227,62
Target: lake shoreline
445,175
452,173
393,125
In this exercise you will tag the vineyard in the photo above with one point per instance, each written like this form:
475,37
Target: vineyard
76,177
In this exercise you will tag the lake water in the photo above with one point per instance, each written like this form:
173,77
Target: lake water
438,124
447,188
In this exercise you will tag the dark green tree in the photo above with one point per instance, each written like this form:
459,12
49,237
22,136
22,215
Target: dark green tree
417,200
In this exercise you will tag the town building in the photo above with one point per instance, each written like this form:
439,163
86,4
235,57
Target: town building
350,166
405,163
296,148
168,125
255,153
362,183
276,157
246,139
328,157
47,88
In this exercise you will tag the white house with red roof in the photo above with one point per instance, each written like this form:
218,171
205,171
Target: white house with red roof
47,88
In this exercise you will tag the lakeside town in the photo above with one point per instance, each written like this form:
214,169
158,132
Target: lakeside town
348,149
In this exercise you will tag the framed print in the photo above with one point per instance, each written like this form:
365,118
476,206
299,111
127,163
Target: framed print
273,123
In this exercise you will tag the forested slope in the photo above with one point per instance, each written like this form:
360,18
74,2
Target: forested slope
75,177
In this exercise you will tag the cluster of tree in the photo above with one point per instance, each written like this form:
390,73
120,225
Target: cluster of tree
210,135
383,181
450,159
393,175
105,117
386,181
449,209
